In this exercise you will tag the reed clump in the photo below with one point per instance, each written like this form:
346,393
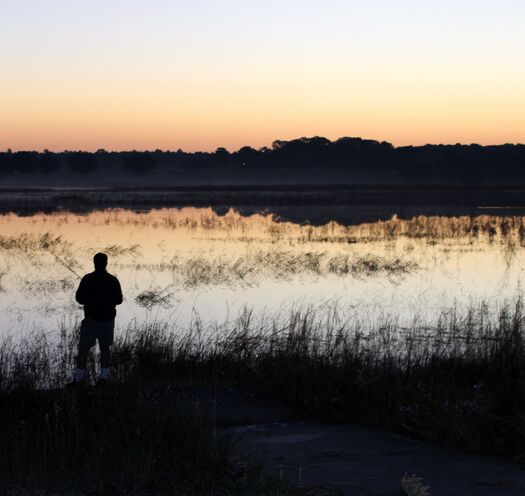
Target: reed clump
251,266
153,297
30,242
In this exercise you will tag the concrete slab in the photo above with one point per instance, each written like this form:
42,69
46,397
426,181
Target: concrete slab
336,459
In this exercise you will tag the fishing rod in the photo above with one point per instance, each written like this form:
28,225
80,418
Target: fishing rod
62,262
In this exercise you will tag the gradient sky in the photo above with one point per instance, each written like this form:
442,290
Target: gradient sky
198,74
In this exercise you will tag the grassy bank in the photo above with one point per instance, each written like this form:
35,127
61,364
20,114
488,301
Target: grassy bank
121,440
129,438
457,382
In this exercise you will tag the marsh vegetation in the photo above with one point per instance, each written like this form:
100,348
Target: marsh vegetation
175,262
457,380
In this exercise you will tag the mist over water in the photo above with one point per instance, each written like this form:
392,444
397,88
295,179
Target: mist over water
179,265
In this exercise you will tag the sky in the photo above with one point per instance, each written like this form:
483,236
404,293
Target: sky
199,74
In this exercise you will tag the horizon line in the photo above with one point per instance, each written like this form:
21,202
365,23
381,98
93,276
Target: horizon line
231,150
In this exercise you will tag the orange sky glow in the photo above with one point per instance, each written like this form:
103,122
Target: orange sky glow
168,77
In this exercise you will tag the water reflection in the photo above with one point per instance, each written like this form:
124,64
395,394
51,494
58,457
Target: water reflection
175,264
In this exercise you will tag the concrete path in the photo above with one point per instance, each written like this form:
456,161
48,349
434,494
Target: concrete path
357,461
330,459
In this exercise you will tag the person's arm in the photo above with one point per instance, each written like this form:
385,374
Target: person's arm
80,295
117,292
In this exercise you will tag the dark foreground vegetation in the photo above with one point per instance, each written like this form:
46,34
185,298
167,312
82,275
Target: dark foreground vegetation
458,383
120,441
468,164
123,439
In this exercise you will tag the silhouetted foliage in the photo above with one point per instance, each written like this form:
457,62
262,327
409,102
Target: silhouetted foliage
246,156
139,163
6,165
48,163
463,164
25,162
222,157
82,162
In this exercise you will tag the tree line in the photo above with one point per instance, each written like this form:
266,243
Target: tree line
466,163
31,162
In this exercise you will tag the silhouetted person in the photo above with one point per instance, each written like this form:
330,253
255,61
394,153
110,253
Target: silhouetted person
99,292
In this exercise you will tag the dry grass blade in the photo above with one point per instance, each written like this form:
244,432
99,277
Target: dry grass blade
117,250
414,486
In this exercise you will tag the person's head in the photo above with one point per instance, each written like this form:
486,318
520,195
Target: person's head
101,261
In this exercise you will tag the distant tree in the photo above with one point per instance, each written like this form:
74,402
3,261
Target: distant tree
6,166
25,162
198,160
48,163
357,153
139,162
473,166
178,158
246,156
300,153
82,162
221,157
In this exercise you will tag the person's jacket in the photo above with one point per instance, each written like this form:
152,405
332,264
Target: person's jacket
99,292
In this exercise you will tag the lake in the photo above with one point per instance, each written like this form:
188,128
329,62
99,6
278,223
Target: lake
185,265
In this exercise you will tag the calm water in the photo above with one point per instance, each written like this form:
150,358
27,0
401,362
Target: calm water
176,265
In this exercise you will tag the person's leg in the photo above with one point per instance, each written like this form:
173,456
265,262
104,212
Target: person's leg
105,340
85,344
83,352
104,361
80,371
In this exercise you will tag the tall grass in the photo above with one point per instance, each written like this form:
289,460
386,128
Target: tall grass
457,380
130,438
117,442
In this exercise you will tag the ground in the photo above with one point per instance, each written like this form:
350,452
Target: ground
346,459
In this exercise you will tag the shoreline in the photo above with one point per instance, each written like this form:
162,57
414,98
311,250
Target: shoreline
299,203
